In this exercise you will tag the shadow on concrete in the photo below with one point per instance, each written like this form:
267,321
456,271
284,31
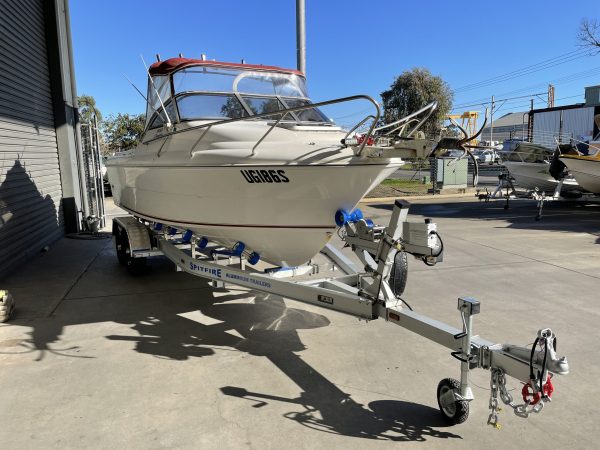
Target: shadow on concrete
556,216
324,407
260,326
266,327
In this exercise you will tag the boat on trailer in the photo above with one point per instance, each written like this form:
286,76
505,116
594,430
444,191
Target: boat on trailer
582,158
530,166
238,153
237,165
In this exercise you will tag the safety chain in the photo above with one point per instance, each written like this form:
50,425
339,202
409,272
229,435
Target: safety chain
498,386
494,408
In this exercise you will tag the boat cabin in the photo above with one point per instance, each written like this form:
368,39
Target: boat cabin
193,89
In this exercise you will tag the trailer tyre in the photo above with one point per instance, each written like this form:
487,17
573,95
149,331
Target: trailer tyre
454,411
399,274
121,245
136,266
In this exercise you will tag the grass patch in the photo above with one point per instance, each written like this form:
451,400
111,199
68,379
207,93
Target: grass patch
415,166
397,188
402,183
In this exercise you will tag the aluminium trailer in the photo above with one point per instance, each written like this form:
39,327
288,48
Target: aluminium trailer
369,294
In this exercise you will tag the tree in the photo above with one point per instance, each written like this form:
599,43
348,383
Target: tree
589,33
414,89
88,109
123,131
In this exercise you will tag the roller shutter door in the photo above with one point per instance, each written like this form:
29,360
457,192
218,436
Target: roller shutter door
30,185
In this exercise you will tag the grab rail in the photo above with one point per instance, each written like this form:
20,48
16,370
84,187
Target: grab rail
358,125
401,122
283,113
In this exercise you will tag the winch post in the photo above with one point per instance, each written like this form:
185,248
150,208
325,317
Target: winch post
467,307
385,253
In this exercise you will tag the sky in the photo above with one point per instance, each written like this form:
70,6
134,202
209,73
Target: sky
352,46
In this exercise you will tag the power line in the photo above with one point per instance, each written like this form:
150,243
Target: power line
496,101
562,80
522,105
533,68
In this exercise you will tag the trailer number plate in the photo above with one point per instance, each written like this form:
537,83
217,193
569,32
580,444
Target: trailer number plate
325,299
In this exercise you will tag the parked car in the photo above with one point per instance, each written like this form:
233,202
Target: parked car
453,153
487,156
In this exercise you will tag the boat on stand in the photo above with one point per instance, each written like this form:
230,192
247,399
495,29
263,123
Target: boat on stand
583,161
530,166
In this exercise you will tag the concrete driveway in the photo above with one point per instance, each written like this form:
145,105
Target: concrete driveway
97,358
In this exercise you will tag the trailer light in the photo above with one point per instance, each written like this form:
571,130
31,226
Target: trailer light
394,316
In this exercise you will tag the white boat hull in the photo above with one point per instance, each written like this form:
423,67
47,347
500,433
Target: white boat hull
286,223
537,175
279,203
586,172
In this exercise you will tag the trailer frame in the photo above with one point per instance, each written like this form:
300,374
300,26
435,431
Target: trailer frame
366,294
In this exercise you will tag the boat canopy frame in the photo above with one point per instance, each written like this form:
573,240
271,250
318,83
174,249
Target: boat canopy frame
175,94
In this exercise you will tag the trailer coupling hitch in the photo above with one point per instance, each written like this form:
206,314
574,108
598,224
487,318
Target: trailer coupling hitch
543,364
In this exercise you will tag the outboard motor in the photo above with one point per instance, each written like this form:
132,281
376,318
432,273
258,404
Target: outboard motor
558,169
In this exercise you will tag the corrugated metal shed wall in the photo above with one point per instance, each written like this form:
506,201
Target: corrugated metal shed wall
504,133
546,126
578,123
592,95
30,185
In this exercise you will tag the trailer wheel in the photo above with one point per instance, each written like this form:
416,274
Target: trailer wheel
399,274
454,411
135,266
121,245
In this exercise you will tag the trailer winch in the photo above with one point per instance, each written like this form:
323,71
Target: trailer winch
369,293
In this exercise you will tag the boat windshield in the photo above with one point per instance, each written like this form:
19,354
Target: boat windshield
215,79
219,93
529,153
161,85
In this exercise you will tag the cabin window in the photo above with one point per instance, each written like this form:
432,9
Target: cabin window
306,115
210,107
216,79
264,105
161,85
208,79
257,83
158,119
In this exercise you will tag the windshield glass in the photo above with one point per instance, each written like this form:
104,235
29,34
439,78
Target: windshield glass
214,79
210,107
306,115
161,84
218,93
263,105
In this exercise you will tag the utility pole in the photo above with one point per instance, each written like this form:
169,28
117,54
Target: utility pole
300,36
492,121
550,96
